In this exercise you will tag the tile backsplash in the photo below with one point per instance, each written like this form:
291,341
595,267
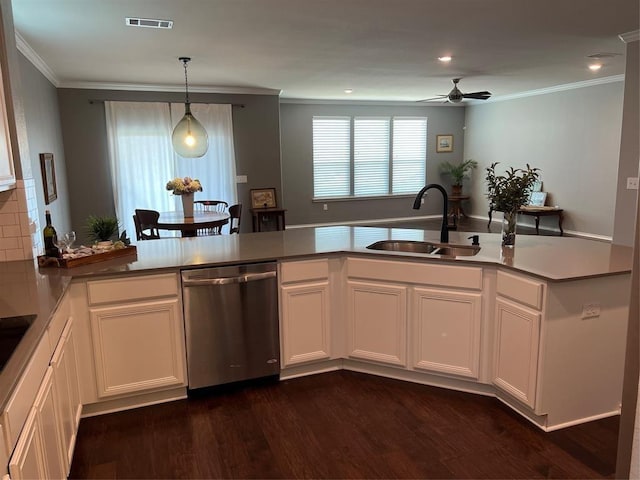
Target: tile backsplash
19,224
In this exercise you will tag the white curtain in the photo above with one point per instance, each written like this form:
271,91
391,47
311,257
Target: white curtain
141,156
143,160
216,170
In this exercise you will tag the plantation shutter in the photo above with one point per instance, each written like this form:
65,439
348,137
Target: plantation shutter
409,154
370,156
331,156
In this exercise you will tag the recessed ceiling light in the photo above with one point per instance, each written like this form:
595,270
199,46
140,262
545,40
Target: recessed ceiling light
348,90
445,59
594,67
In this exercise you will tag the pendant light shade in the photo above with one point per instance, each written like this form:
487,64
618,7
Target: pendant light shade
189,138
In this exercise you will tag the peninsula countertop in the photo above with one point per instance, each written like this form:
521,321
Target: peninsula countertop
29,290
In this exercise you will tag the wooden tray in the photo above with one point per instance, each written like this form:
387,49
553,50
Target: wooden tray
89,259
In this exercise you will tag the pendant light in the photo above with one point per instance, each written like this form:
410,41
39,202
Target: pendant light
189,138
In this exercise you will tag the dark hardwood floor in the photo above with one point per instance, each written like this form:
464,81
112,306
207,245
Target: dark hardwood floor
338,425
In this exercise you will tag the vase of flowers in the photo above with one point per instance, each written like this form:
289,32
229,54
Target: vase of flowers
185,187
507,193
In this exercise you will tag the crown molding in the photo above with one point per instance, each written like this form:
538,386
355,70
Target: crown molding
35,59
381,103
556,88
630,36
138,87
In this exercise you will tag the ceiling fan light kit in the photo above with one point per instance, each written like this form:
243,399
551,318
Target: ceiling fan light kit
189,138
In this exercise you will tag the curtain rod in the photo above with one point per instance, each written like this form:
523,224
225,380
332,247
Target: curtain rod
239,105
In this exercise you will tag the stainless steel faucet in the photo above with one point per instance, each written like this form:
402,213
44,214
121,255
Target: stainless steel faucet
444,230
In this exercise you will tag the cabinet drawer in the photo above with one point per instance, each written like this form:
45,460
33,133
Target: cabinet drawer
419,273
24,395
132,288
521,289
304,270
58,322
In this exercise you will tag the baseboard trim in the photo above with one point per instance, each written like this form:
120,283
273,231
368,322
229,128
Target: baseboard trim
128,403
363,222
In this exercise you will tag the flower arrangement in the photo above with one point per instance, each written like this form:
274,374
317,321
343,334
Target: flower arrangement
181,186
510,191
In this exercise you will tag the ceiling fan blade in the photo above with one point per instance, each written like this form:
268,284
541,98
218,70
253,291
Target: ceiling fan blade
439,97
477,95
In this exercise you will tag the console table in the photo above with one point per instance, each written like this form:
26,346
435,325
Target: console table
267,215
537,212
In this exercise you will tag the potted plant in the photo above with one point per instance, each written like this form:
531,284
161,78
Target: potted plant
507,193
457,172
102,228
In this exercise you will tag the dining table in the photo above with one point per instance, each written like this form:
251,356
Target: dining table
189,226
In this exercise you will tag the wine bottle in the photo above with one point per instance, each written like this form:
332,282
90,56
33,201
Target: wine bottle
49,233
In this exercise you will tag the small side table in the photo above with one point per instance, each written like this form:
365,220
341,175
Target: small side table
543,212
455,207
263,215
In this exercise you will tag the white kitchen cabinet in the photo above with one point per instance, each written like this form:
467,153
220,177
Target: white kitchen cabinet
138,346
446,330
305,322
377,322
65,374
517,334
38,453
28,459
7,175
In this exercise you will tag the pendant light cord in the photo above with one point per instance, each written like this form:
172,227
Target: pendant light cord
185,60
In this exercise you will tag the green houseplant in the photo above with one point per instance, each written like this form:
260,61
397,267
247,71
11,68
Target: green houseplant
102,228
457,172
507,193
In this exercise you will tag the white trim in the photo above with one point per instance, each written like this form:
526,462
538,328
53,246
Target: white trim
578,421
629,37
35,59
554,89
362,222
382,103
567,233
142,87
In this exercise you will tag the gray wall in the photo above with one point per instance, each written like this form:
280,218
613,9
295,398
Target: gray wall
297,163
44,135
573,136
256,137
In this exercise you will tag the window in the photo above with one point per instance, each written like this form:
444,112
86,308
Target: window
368,156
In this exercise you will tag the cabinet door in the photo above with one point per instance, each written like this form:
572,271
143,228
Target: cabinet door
28,459
46,406
305,322
446,330
516,350
137,347
377,321
65,376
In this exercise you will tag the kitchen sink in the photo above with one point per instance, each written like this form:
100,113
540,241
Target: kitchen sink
412,246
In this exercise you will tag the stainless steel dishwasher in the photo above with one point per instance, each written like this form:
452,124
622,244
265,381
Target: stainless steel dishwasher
231,323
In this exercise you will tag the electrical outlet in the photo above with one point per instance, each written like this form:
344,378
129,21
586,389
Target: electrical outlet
325,206
632,183
590,310
422,201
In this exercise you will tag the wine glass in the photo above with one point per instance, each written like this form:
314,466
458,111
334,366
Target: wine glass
60,244
69,239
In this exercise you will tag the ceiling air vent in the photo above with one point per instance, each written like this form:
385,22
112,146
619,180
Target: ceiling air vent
148,22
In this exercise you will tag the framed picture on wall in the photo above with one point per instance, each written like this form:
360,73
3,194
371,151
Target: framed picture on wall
263,198
48,169
444,143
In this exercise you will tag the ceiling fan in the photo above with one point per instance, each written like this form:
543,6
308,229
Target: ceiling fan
456,96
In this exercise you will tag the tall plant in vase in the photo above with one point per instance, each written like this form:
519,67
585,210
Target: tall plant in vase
507,193
185,187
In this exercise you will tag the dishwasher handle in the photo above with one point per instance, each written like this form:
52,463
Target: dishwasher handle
247,277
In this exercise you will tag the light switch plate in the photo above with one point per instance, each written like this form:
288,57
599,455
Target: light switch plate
241,179
632,183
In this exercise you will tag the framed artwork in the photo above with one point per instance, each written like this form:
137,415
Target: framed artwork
263,198
48,169
444,143
537,199
537,186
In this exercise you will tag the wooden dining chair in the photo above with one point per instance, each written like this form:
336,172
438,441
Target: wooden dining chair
211,205
146,222
219,206
235,211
